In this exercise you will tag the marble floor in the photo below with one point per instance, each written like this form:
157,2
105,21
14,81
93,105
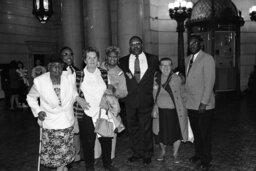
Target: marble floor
233,141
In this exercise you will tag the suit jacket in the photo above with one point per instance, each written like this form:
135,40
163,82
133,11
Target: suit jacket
58,117
140,94
200,82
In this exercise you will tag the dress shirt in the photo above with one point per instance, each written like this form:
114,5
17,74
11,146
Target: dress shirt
143,63
194,56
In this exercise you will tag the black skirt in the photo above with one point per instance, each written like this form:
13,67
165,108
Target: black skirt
169,127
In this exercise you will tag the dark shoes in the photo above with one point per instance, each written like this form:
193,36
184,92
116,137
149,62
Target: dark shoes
194,159
111,168
133,159
205,166
146,161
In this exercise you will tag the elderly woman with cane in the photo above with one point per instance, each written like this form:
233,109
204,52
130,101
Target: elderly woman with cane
57,93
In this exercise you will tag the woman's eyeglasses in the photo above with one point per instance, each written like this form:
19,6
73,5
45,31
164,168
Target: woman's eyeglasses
67,54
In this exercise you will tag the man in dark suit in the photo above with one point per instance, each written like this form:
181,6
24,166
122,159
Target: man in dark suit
200,100
139,68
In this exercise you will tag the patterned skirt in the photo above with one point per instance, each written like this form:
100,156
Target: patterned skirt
57,147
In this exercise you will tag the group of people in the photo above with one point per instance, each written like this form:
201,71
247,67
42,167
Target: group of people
71,101
14,81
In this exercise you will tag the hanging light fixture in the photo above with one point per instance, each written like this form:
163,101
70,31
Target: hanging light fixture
42,9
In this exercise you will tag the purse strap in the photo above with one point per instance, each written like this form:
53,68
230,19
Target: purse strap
106,114
164,85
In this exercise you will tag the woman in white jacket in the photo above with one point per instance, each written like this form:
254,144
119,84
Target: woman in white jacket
57,93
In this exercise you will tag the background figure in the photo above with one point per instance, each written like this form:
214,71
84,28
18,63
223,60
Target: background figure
252,82
66,54
92,83
200,99
139,69
38,69
173,118
57,93
14,85
116,83
24,83
5,84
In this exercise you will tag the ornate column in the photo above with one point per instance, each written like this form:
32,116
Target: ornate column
130,22
72,24
98,25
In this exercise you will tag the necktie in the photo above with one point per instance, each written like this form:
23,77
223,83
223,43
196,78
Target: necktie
137,69
71,69
190,63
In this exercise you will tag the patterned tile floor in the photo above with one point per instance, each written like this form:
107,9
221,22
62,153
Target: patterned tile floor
233,143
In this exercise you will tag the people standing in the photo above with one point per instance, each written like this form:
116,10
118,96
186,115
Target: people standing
66,54
14,85
116,80
5,84
200,100
24,83
139,68
57,93
92,83
173,118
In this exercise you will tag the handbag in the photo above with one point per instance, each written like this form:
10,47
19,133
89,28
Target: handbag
104,127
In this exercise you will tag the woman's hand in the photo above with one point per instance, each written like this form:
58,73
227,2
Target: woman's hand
83,103
41,115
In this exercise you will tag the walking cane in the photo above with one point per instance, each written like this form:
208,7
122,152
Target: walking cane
39,154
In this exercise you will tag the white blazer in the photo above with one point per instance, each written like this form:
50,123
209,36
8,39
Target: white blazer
58,117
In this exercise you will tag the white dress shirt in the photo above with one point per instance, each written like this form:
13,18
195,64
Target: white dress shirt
195,56
143,63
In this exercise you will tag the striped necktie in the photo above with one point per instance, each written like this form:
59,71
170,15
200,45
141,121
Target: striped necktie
137,69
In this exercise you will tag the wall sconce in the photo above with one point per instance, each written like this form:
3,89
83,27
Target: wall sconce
42,9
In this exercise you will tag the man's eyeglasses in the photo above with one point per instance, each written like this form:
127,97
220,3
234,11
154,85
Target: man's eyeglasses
135,44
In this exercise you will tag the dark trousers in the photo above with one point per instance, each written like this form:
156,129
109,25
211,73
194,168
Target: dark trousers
139,122
106,144
201,124
87,137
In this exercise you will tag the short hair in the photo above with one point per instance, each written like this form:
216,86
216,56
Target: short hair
165,59
68,48
197,37
90,49
55,59
135,37
114,49
20,62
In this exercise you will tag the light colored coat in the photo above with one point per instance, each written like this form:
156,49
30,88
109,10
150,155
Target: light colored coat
58,117
177,87
178,91
200,82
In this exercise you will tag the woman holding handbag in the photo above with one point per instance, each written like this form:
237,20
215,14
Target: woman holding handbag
92,85
173,119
